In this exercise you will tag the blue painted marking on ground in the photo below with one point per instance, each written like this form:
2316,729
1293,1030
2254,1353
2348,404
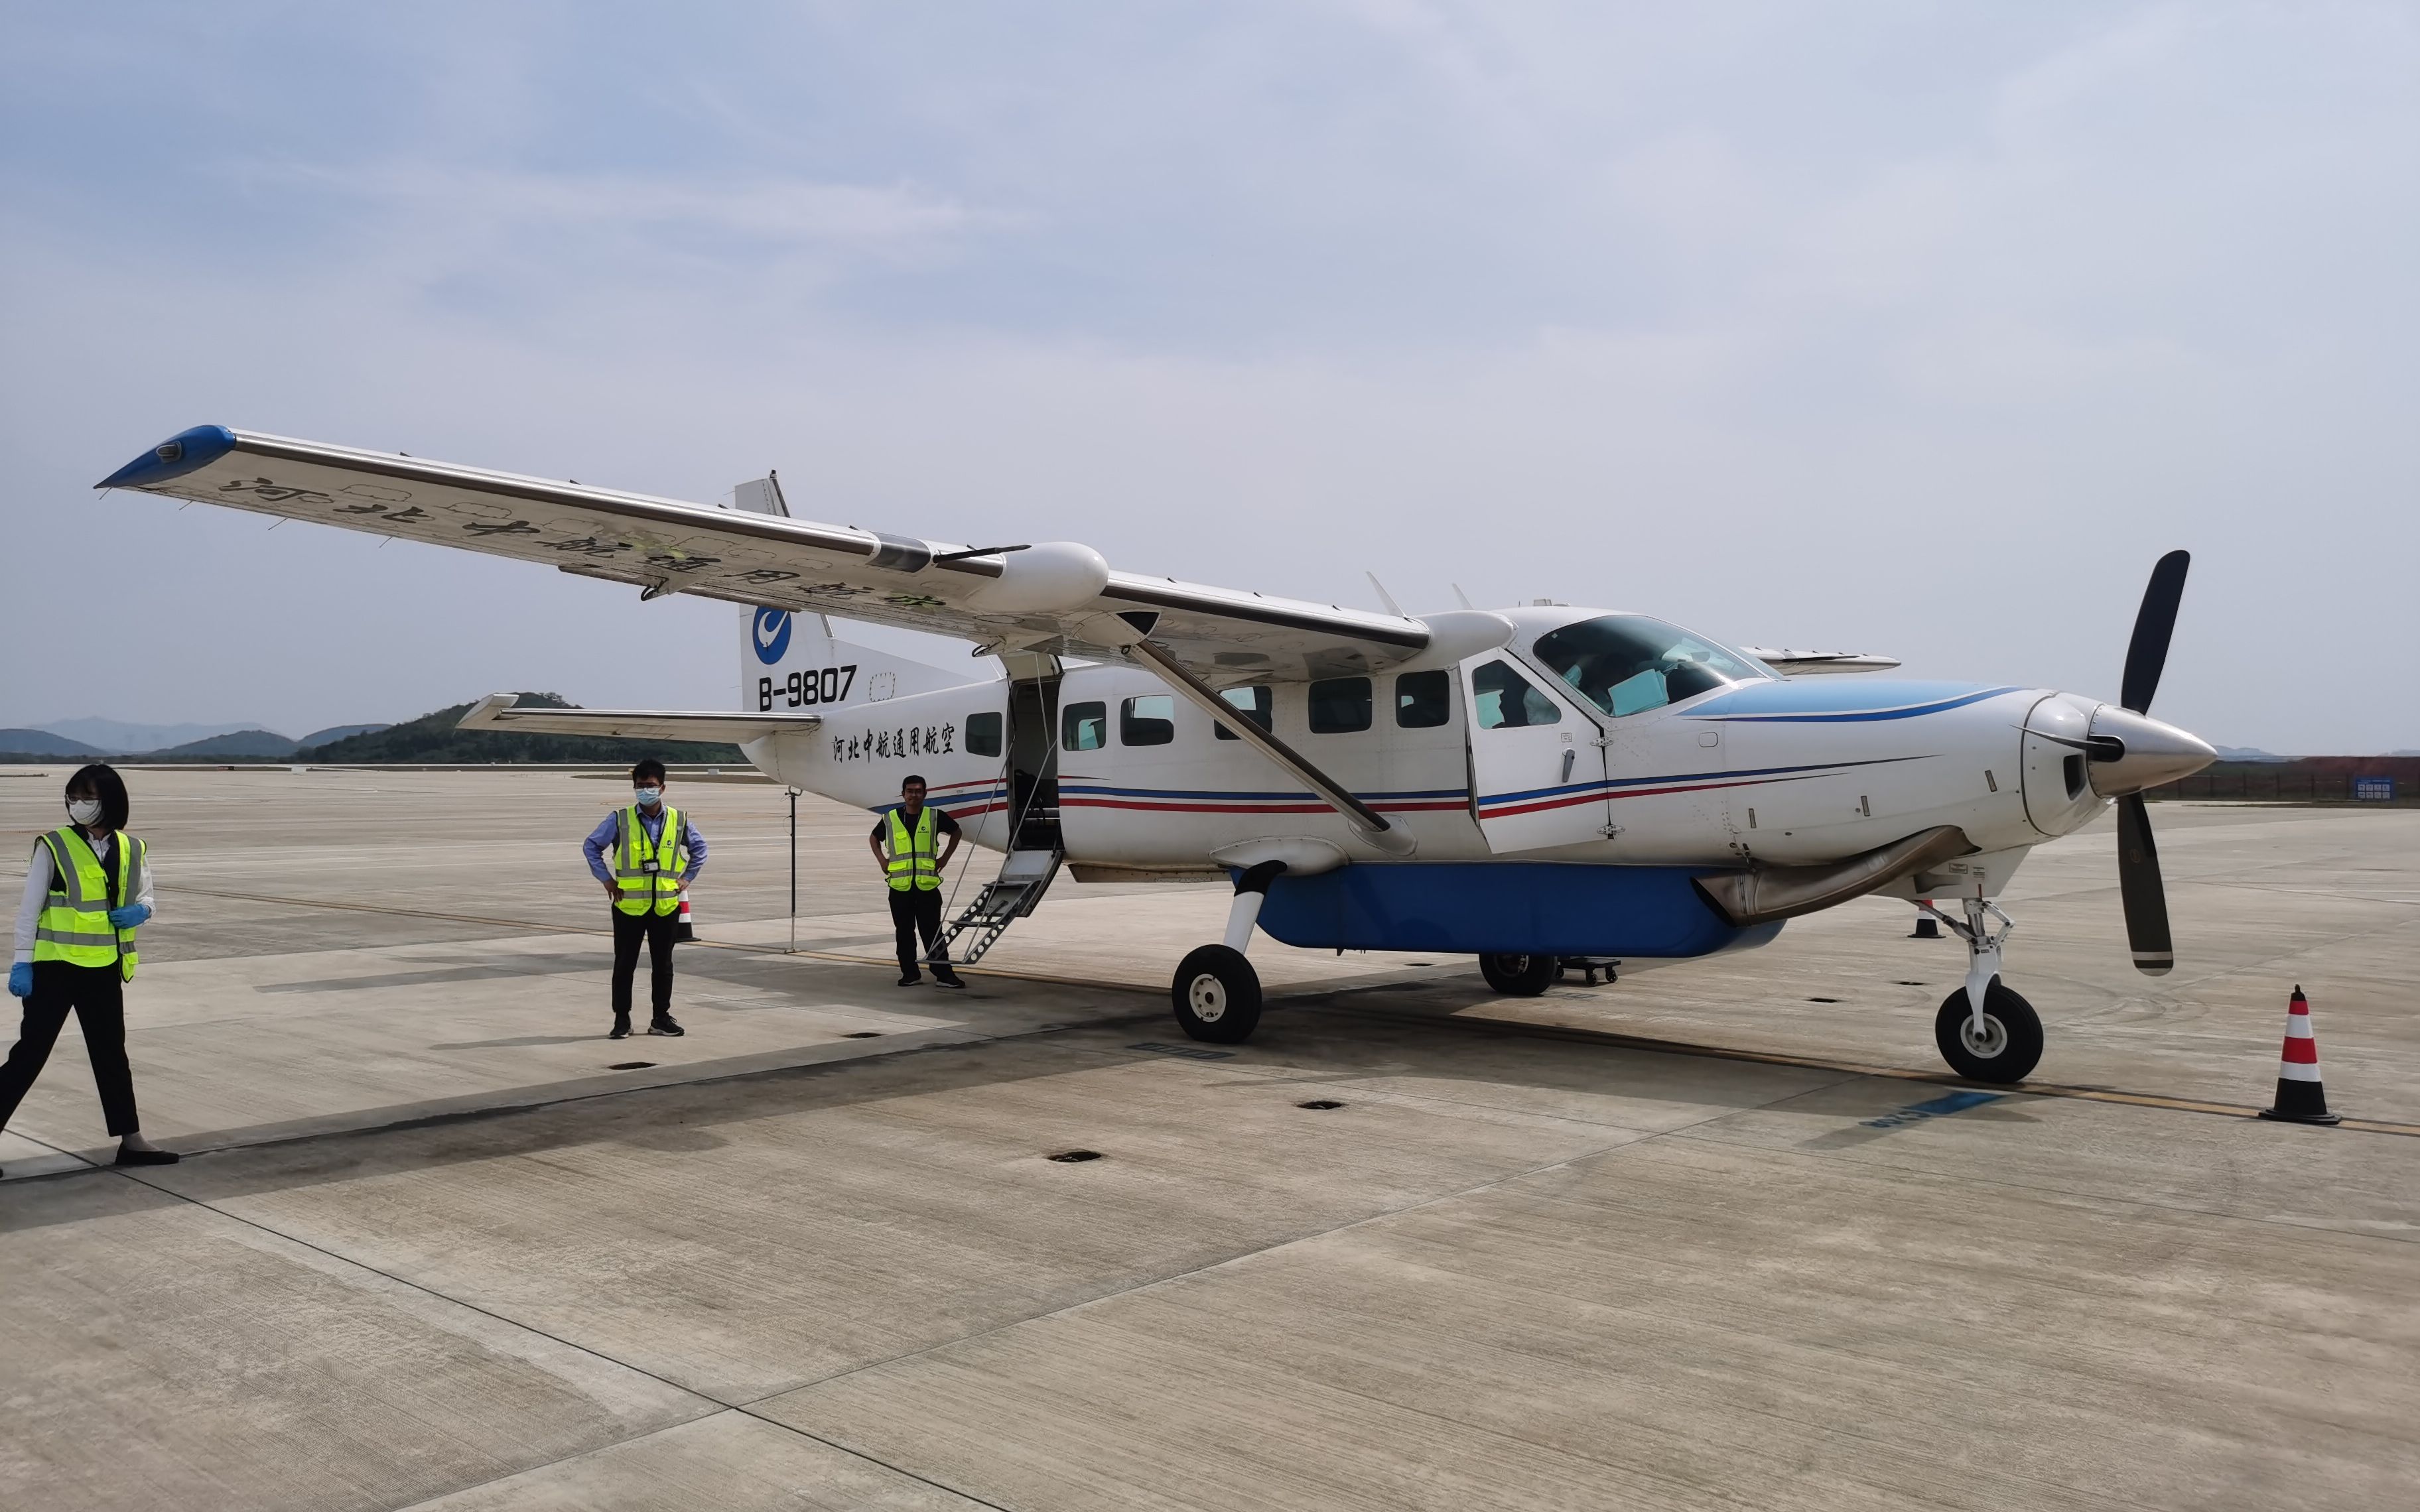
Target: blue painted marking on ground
1935,1107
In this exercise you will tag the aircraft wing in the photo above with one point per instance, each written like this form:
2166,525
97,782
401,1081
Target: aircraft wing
1051,595
496,712
1806,663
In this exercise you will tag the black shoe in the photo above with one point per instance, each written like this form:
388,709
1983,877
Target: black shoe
621,1026
911,979
949,979
662,1023
148,1157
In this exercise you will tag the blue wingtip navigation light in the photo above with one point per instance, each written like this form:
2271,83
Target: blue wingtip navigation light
185,452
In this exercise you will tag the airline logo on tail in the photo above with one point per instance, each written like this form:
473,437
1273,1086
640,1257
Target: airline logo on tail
772,634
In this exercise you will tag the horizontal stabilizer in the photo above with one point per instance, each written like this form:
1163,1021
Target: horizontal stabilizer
1806,663
496,712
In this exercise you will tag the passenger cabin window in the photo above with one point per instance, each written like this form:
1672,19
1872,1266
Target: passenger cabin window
1423,701
1084,727
1628,663
1147,721
1503,699
1252,702
982,734
1340,705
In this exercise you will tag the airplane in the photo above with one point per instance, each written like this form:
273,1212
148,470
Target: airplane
1527,785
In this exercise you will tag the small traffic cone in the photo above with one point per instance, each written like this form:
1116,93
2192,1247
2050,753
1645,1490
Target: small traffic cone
2299,1099
682,931
1927,927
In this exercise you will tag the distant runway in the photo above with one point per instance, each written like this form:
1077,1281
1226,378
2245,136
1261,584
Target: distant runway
1718,1234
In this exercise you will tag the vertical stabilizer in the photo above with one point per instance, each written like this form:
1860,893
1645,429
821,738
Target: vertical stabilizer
792,663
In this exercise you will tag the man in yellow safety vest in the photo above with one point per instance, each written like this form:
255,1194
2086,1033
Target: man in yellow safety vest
646,854
903,842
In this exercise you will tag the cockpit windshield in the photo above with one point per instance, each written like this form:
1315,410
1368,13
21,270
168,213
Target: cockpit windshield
1626,663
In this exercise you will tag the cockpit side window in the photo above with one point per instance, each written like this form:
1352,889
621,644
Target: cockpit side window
1503,699
1628,663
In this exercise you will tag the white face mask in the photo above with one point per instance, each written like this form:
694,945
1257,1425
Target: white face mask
85,811
647,797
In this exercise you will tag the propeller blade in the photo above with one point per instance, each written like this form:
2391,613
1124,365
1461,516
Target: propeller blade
2140,888
2146,654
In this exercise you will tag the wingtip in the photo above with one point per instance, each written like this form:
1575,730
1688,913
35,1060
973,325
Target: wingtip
187,451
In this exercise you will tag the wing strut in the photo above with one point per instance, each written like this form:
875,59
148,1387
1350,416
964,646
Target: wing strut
1366,822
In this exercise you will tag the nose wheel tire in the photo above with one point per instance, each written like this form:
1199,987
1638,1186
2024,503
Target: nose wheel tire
1216,996
1520,976
2008,1045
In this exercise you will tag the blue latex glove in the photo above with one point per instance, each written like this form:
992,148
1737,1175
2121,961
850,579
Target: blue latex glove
21,979
128,917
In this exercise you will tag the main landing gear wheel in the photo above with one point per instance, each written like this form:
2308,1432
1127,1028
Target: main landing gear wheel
1520,976
1216,996
2008,1045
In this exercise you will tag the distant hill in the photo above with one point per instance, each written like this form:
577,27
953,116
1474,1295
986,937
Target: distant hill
2248,753
339,732
242,745
433,738
117,737
44,744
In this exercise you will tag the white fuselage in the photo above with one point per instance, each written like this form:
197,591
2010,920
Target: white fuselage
1783,772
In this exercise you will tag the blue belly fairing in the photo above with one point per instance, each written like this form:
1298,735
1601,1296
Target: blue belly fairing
1512,907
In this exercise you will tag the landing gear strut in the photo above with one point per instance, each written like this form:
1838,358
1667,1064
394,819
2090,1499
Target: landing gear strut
1216,993
1985,1031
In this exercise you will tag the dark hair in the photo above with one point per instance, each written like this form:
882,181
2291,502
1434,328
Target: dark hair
911,777
106,785
645,769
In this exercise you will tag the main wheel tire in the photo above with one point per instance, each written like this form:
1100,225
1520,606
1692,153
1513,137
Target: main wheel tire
1520,976
2009,1046
1216,996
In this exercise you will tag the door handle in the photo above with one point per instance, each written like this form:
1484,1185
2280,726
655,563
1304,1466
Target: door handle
1568,757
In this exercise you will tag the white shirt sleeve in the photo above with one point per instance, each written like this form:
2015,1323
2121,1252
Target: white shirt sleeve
29,912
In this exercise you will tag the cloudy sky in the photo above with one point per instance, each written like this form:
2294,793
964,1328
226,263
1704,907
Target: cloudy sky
1919,329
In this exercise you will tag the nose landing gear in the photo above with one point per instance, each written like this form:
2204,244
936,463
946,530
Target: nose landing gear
1985,1031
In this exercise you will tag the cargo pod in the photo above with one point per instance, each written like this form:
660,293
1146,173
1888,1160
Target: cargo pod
1503,908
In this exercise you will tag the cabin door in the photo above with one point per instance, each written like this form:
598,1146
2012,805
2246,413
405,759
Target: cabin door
1538,775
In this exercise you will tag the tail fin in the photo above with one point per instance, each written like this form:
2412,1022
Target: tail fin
791,662
794,663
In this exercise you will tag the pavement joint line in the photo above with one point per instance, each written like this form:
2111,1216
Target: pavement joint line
1517,1029
590,1350
896,1049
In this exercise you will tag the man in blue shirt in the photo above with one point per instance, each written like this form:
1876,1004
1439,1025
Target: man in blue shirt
644,856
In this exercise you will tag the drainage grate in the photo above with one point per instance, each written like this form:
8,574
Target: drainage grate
1904,983
1822,999
1320,1104
1069,1157
631,1065
864,1034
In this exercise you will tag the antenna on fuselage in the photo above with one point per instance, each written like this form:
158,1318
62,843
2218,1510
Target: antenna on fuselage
1462,597
1384,598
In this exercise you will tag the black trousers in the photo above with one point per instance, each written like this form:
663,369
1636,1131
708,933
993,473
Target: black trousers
915,911
97,996
657,931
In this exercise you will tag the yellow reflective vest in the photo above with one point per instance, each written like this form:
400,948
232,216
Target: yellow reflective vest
912,853
649,870
74,924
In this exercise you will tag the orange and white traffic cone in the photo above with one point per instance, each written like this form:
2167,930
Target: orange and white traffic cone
682,931
1927,928
2300,1098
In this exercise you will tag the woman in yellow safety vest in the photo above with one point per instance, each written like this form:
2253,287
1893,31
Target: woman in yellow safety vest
87,890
